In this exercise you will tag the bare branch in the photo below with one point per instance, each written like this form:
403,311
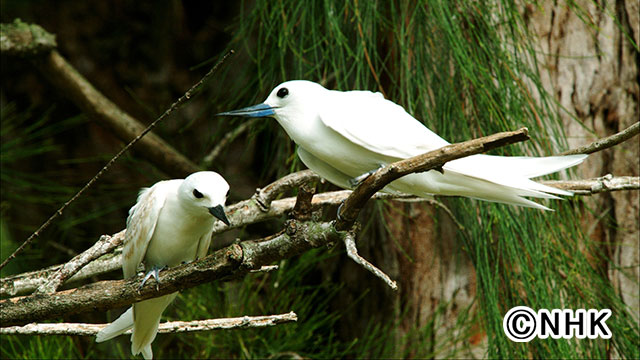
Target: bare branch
352,252
104,245
607,142
165,327
429,161
266,195
593,186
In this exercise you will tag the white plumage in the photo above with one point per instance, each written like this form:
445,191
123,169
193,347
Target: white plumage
343,135
170,223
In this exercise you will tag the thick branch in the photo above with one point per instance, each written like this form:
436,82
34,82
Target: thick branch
429,161
165,327
124,126
232,261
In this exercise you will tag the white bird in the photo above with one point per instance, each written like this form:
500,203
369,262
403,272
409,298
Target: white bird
346,135
171,223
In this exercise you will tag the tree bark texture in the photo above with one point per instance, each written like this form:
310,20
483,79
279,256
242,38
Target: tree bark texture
596,80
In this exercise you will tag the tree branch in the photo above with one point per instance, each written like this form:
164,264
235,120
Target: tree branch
266,195
432,160
230,262
165,327
605,183
352,252
104,245
607,142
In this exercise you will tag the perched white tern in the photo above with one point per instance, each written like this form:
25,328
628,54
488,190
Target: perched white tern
346,135
171,223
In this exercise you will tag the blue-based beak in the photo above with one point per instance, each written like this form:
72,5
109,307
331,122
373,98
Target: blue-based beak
260,110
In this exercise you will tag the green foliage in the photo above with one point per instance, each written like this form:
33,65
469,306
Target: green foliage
466,69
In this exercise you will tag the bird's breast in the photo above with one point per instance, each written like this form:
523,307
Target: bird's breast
175,241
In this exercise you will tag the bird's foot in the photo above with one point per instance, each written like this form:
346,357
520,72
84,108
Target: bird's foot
155,273
354,182
339,209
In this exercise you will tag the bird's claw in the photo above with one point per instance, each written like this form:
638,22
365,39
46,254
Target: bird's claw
155,273
354,182
339,209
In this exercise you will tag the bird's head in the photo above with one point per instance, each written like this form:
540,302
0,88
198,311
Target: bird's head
205,192
288,102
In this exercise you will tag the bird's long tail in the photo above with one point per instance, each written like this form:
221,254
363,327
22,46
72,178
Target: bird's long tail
117,327
145,327
494,178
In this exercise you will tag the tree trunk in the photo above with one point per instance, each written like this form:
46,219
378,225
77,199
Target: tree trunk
593,73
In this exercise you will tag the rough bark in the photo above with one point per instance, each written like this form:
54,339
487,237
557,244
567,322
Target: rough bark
596,79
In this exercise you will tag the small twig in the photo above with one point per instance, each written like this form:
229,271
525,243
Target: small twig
605,183
104,245
166,327
266,195
607,142
266,268
171,109
352,252
208,160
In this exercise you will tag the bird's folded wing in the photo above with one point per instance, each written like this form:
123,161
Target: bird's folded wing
141,223
379,125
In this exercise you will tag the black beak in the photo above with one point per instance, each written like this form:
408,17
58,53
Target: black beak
218,212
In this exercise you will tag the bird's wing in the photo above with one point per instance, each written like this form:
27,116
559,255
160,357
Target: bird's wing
377,124
203,244
141,223
323,169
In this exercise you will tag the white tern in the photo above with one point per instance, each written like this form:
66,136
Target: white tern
346,135
170,223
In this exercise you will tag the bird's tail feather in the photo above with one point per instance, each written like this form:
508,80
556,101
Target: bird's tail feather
496,178
117,327
147,319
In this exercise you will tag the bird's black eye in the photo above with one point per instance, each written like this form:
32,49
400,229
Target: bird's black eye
283,92
227,193
197,194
